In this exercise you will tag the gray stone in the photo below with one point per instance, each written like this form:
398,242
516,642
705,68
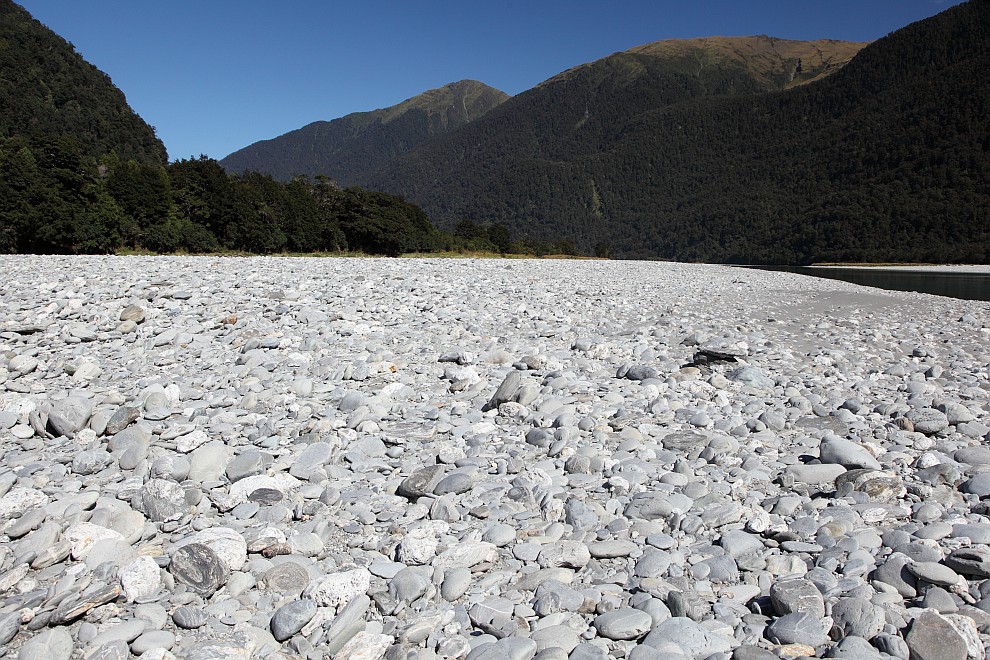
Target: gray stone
940,600
975,532
408,584
312,458
91,461
639,372
153,639
749,652
421,482
823,473
878,486
691,637
248,463
972,560
753,377
978,455
507,391
132,313
579,516
847,454
189,617
928,420
115,650
197,566
559,637
509,648
287,577
796,596
455,483
623,623
51,644
799,628
895,573
163,500
737,543
933,573
858,617
291,617
854,648
977,485
121,419
455,583
932,637
9,625
70,415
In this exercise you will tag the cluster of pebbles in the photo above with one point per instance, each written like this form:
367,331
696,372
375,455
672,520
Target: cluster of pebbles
303,458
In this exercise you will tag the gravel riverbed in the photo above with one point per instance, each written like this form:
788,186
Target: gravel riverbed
212,458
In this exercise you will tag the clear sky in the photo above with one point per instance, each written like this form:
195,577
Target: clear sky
216,75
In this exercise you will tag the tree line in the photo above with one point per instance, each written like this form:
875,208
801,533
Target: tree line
56,199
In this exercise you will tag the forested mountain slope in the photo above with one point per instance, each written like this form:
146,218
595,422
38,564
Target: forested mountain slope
646,155
349,149
48,89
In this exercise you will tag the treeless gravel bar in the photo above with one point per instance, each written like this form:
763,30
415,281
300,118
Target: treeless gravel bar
211,457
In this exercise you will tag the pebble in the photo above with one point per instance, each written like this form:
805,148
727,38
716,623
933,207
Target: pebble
215,457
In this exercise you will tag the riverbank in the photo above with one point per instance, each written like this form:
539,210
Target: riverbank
487,458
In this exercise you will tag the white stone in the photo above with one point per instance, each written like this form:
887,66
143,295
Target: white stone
337,589
140,578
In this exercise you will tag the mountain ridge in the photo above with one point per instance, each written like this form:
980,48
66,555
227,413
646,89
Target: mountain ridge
884,159
348,148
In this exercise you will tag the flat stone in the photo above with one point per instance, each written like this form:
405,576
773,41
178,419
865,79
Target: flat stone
932,637
972,560
847,454
799,627
623,623
151,640
51,644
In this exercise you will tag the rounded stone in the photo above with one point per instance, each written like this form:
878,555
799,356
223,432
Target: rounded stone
189,617
153,639
199,568
623,624
291,617
286,577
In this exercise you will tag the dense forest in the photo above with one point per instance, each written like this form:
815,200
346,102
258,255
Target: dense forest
56,199
351,148
887,159
48,89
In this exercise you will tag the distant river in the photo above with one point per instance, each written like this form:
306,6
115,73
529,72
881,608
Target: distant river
968,286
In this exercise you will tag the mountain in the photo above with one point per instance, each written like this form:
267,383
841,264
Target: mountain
526,164
349,149
738,149
48,89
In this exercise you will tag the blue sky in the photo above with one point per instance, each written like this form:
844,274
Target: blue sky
216,75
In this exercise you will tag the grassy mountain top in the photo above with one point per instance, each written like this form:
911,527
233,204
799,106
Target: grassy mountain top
464,100
773,63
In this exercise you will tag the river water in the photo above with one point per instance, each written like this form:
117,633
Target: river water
955,284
